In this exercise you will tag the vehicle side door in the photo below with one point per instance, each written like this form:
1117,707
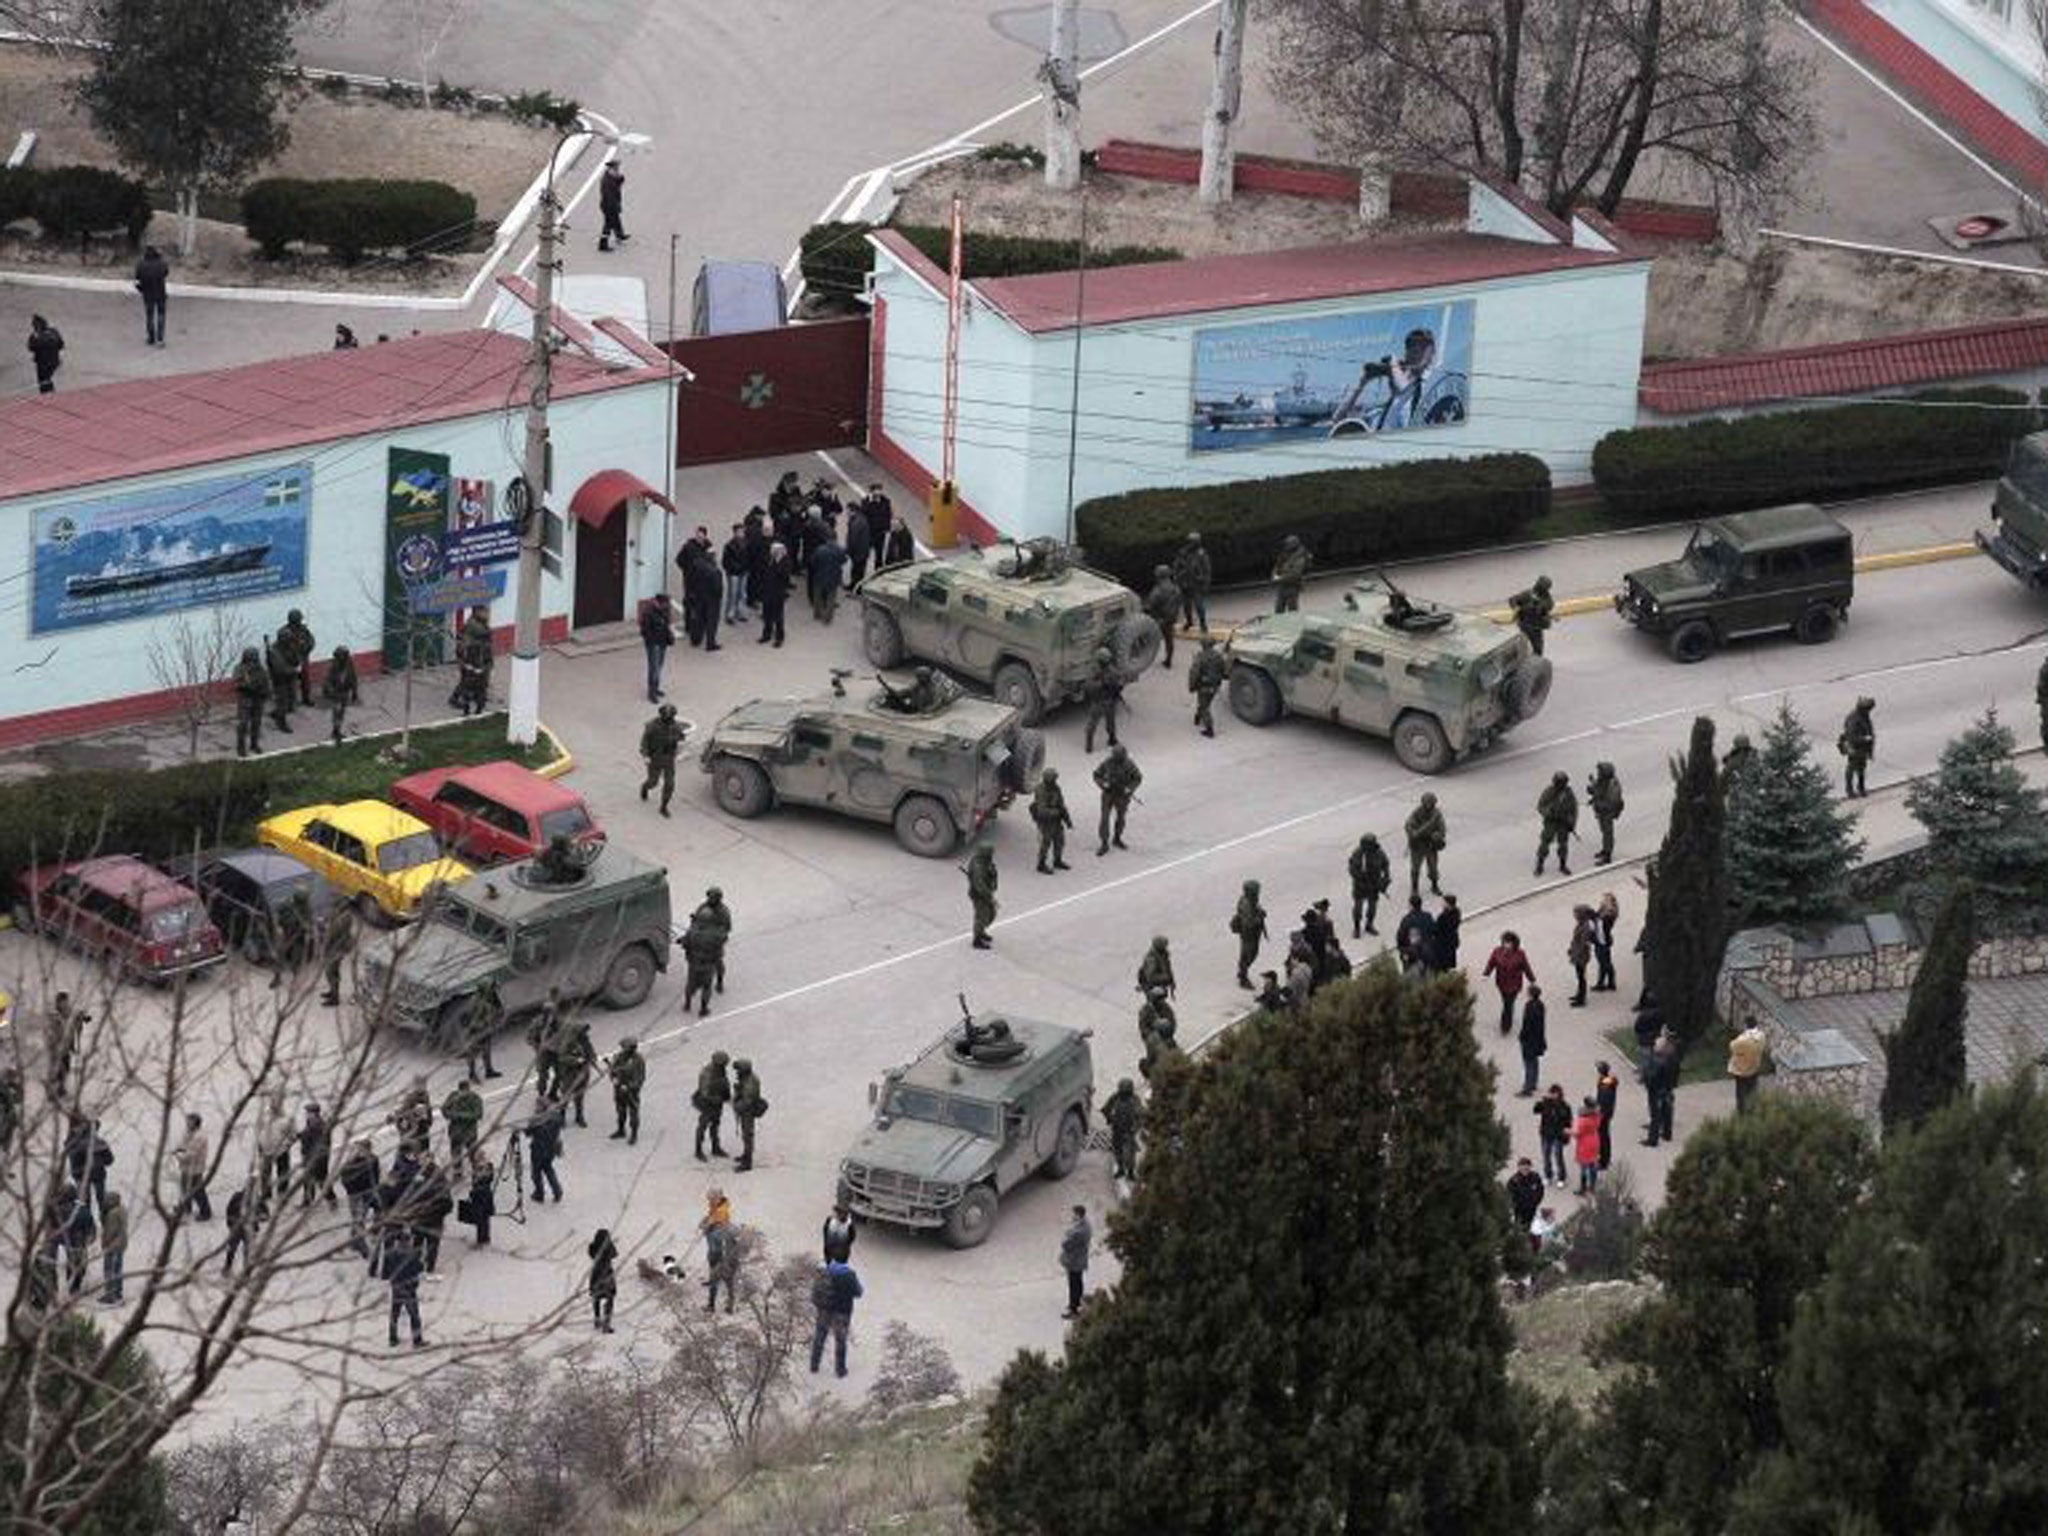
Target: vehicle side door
65,912
1017,1157
316,846
926,613
533,969
804,766
1365,699
1753,598
583,942
237,904
355,861
119,922
1311,683
860,773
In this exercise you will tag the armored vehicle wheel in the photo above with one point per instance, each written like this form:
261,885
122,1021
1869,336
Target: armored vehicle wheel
925,827
1016,687
969,1223
1027,761
1692,641
1066,1156
629,978
1254,697
881,636
1816,626
1420,743
1135,644
741,787
1529,688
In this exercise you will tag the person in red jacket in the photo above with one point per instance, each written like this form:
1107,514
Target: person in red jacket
1586,1144
1510,969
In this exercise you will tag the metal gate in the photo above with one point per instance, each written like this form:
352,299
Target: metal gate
762,393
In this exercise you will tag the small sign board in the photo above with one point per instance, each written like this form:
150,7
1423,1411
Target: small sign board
485,544
453,592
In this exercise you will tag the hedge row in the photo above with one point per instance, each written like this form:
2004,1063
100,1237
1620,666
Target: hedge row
352,216
69,200
1347,517
153,815
1704,467
836,258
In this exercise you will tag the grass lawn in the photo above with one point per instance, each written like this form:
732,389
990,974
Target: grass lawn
1706,1062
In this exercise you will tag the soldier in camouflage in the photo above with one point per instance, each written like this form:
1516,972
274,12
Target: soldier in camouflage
701,947
981,892
627,1069
284,680
1532,607
1371,873
1736,760
1157,1029
1124,1114
1603,797
1105,693
252,690
1118,778
1559,808
660,740
1427,837
1156,969
1050,815
1163,603
1290,570
714,1092
1248,922
1857,744
340,688
297,638
1193,574
474,657
748,1106
1206,674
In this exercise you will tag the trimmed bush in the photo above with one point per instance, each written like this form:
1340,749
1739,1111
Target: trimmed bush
17,194
352,216
152,815
836,258
83,200
1347,517
1704,467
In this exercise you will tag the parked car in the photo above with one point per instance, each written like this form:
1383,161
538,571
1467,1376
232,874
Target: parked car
382,858
249,892
134,916
1791,567
490,813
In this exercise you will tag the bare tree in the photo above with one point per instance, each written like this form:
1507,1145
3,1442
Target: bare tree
1570,99
742,1364
425,25
193,661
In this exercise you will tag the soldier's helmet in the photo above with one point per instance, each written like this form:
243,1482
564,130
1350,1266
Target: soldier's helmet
1428,801
1193,537
1119,750
1049,775
1290,542
742,1064
714,894
1606,770
1251,887
1560,777
667,711
1366,838
1740,744
1155,994
294,617
719,1058
1866,705
1102,653
1162,571
923,674
249,653
1124,1085
1159,941
629,1043
1542,583
341,653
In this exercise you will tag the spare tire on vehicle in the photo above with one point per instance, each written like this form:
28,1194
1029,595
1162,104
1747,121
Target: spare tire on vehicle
1134,644
1529,688
1026,760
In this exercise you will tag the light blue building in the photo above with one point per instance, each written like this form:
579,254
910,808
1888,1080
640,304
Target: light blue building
1515,333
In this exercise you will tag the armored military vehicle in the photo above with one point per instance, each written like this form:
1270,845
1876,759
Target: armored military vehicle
998,1099
1025,623
2018,538
1441,684
913,751
1778,568
593,922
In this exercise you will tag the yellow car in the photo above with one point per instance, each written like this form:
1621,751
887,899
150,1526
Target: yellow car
366,849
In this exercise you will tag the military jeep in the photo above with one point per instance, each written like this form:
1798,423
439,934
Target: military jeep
1024,624
918,753
599,928
1779,568
998,1099
2018,538
1441,684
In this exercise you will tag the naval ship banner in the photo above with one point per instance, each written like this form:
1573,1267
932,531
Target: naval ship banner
189,545
1326,377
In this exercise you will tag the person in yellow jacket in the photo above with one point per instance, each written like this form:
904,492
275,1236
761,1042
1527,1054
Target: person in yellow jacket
1746,1053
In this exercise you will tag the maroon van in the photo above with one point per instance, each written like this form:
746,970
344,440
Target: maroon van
124,911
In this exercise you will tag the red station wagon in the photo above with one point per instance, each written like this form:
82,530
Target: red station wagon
492,812
121,909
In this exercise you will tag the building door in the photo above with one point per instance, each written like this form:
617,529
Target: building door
601,570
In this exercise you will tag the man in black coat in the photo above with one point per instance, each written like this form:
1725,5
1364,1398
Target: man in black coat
705,586
152,281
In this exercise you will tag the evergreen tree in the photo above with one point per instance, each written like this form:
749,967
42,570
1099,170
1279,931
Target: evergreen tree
1751,1207
1925,1062
1688,909
1307,1336
1791,844
1915,1390
1984,820
75,1448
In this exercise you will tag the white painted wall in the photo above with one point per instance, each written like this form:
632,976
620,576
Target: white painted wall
343,596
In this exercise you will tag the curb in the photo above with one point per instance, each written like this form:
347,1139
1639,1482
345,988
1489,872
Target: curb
563,762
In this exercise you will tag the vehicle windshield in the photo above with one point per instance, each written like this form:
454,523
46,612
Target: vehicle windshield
570,821
1709,555
408,852
453,912
907,1103
169,923
2028,472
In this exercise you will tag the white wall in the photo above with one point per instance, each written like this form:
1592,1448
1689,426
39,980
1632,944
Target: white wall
343,595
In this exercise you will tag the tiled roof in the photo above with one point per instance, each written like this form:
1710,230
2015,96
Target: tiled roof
1151,290
1846,368
78,437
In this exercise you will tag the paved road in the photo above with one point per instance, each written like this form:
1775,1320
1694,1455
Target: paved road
848,952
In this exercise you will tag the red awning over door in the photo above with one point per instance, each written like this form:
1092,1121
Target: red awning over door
604,492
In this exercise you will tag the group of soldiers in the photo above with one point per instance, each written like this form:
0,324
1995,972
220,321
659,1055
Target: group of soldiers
279,677
1557,808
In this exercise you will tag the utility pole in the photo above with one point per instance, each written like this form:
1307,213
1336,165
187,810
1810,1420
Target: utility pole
1062,76
523,704
1219,159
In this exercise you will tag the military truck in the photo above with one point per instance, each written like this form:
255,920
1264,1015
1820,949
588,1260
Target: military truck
1023,624
998,1099
1789,567
595,924
1439,683
916,752
2018,538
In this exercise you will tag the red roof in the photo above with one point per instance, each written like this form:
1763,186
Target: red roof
1149,290
1845,368
599,496
110,431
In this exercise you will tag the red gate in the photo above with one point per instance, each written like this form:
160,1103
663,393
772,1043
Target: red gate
763,393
